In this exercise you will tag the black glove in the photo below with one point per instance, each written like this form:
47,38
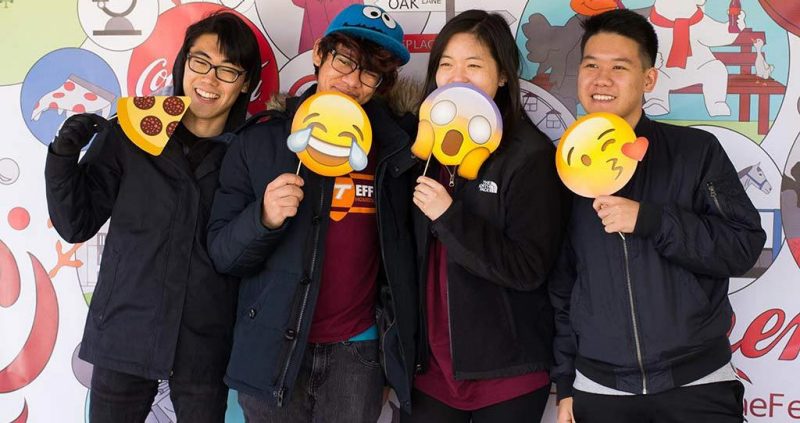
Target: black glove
76,132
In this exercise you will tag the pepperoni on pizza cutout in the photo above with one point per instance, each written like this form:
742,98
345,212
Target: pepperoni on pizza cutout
150,121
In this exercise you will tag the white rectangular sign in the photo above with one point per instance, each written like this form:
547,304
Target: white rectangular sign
393,6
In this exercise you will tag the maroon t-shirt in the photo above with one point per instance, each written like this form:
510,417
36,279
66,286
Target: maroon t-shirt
346,303
438,381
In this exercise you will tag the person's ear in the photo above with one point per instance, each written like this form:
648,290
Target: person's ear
316,57
650,78
502,81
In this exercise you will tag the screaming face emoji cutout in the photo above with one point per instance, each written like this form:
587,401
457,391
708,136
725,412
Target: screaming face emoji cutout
461,126
598,154
331,134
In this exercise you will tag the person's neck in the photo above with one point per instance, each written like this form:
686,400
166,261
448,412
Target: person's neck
634,119
204,128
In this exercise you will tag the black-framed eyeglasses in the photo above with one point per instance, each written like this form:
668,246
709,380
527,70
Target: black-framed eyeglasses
203,66
346,65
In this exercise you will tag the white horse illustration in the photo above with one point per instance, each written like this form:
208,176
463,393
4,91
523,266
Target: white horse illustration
753,175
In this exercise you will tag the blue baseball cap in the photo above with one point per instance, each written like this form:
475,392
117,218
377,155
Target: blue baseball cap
374,24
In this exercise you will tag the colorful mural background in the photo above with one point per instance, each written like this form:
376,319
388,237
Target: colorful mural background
104,50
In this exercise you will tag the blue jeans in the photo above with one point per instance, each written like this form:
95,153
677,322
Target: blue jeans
341,382
117,397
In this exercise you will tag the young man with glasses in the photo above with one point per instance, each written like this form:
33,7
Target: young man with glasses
202,66
159,310
312,263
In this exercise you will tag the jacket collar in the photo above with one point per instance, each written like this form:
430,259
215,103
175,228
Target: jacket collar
645,127
174,154
392,141
207,166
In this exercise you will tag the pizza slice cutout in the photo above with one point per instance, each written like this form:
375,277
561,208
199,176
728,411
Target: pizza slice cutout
150,121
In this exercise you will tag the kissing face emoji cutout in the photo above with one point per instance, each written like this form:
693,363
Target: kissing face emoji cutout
598,154
460,125
331,134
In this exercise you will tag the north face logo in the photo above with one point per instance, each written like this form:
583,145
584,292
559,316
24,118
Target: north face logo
488,186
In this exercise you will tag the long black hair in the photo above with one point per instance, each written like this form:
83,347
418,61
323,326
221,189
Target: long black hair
493,32
238,43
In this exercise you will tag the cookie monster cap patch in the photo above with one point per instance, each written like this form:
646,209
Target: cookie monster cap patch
374,24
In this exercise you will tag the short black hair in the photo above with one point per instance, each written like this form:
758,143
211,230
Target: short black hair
628,24
492,30
238,43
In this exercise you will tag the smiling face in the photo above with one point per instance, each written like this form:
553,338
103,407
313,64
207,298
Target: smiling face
330,79
331,134
466,59
598,155
212,99
612,77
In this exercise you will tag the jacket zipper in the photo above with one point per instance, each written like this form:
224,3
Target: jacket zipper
447,285
713,193
449,321
380,174
633,315
281,392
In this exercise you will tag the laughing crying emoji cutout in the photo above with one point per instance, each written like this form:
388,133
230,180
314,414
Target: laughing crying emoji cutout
598,154
461,126
331,134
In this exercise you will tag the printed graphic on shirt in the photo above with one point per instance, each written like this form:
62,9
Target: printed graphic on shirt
352,194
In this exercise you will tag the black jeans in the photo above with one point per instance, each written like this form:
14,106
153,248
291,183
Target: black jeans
117,397
526,408
719,402
341,382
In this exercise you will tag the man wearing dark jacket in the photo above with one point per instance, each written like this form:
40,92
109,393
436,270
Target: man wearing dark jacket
640,289
159,311
316,252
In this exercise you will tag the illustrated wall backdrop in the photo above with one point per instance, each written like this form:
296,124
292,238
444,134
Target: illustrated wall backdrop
735,73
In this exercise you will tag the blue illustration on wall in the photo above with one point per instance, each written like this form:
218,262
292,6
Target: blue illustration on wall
749,48
65,82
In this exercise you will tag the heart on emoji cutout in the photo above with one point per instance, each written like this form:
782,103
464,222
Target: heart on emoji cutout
636,149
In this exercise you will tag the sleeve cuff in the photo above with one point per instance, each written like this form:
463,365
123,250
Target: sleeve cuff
441,221
648,220
53,152
262,230
51,149
564,387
